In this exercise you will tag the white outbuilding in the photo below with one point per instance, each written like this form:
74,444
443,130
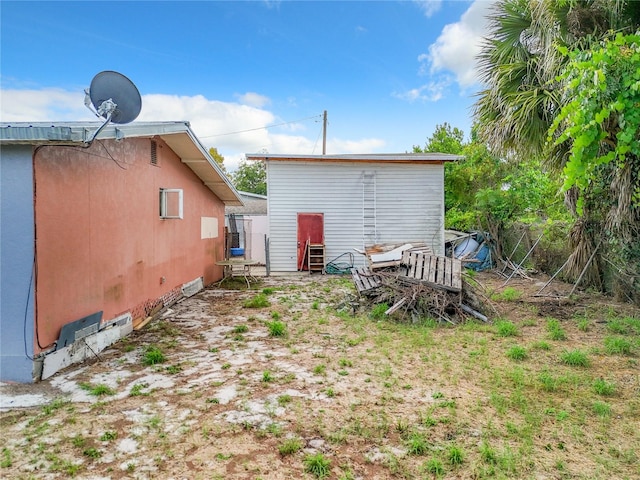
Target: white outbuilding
349,202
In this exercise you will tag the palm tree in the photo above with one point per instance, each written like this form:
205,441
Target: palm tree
519,64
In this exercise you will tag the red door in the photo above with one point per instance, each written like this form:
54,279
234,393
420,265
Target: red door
310,230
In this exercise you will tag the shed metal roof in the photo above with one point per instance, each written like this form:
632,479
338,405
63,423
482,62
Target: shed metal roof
362,157
178,135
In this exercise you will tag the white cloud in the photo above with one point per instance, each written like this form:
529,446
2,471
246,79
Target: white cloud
429,7
253,99
456,48
233,128
429,92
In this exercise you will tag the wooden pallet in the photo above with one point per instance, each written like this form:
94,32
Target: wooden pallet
440,272
364,280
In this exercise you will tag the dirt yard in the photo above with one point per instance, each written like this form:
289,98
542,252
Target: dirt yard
293,379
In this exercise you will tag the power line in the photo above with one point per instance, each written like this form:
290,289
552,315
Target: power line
260,128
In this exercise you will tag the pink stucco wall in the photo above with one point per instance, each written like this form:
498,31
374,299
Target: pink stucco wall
100,243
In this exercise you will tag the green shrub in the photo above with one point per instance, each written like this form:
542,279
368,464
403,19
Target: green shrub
377,312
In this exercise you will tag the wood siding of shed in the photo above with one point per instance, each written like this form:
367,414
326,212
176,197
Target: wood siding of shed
409,205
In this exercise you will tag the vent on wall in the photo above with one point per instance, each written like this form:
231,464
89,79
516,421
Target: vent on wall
154,152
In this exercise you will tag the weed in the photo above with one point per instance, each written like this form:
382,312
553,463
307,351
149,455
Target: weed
549,382
315,305
330,393
541,345
97,390
92,452
213,400
433,466
6,461
517,353
602,409
555,330
343,373
417,444
213,350
575,358
436,395
617,345
488,454
275,315
317,465
344,362
109,435
602,387
240,329
136,390
618,326
509,294
290,446
268,290
78,441
320,369
505,328
153,355
277,328
54,405
267,376
173,369
284,400
226,366
455,455
258,301
378,311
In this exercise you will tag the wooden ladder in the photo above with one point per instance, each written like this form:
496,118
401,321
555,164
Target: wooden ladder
315,257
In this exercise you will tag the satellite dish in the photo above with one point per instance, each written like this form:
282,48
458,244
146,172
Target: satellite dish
114,87
114,97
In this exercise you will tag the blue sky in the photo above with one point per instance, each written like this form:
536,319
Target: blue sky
386,72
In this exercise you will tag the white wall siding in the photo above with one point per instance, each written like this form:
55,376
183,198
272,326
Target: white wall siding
409,205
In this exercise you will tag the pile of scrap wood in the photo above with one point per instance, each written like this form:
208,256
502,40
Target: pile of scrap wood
422,285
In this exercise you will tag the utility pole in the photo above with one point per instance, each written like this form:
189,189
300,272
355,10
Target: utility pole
324,133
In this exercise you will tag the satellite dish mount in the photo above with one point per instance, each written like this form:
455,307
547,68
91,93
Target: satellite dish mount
113,97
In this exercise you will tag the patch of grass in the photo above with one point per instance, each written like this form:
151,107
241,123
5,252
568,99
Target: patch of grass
602,409
434,467
541,345
258,301
268,290
226,366
153,355
377,312
317,465
240,329
555,330
267,376
517,353
92,452
488,454
56,404
290,446
345,362
455,455
575,358
505,328
617,345
548,381
277,328
78,441
315,305
602,387
284,399
509,294
320,369
6,461
109,435
417,444
329,392
173,369
97,390
136,390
